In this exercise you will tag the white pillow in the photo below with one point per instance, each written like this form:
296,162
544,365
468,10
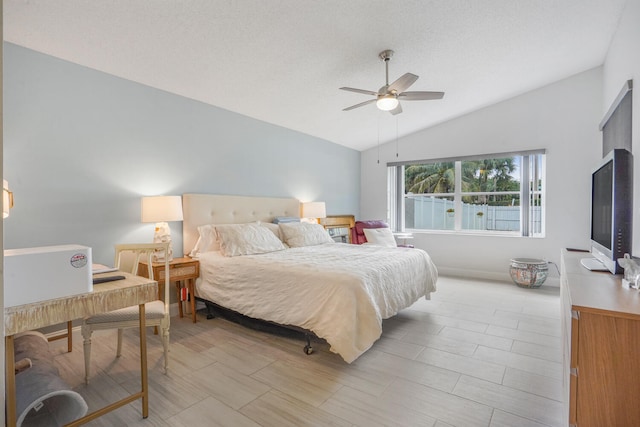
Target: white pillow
208,240
297,234
246,239
274,228
380,237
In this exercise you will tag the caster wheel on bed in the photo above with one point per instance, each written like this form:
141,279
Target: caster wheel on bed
308,349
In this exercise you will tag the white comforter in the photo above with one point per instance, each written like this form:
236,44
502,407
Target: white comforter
341,292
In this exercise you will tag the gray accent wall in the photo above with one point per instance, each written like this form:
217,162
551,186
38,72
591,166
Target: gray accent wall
81,148
621,64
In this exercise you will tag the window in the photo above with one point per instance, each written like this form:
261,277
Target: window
494,194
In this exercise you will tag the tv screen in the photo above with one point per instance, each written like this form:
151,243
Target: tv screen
602,205
611,210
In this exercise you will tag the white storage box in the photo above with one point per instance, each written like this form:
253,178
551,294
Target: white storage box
49,272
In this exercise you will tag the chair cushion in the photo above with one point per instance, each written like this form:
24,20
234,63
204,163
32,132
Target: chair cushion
153,310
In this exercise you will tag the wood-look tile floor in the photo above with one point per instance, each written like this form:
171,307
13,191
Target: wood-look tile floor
478,353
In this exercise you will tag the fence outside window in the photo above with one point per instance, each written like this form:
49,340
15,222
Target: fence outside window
436,213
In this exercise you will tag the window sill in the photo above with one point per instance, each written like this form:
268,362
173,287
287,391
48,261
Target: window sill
472,233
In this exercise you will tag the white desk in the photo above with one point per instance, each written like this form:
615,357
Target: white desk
134,290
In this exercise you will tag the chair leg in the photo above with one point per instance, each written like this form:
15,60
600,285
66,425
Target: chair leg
119,348
165,345
86,334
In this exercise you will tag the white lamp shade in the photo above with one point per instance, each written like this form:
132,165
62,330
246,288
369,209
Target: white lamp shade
161,208
7,199
314,210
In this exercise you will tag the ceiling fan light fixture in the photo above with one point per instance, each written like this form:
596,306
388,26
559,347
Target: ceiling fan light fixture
386,98
387,102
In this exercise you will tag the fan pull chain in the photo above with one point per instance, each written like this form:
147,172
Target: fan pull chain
396,136
378,138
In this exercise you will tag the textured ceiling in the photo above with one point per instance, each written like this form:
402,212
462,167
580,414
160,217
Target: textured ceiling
282,61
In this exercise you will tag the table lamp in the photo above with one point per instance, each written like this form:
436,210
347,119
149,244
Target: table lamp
314,210
162,209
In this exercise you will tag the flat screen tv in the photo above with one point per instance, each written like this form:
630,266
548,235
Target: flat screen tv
612,209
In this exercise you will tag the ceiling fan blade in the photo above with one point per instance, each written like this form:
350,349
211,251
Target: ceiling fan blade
362,104
403,83
420,96
366,92
396,110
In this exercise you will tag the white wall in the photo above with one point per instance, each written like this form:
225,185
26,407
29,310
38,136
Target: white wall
561,118
621,64
81,147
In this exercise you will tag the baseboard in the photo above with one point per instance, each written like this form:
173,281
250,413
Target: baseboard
175,311
488,275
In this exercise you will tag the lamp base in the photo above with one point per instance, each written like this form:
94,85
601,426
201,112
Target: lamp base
162,234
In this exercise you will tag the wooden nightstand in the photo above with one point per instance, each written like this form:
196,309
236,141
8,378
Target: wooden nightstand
339,227
182,271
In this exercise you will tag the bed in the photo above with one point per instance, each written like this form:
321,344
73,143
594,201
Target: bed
339,292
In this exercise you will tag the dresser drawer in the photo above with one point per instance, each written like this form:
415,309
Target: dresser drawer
573,404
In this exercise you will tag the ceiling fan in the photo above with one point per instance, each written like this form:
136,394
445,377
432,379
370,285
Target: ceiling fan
388,97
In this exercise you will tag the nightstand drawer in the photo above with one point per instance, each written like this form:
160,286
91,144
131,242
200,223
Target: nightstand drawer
180,272
179,269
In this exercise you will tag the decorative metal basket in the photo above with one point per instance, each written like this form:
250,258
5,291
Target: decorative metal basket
528,272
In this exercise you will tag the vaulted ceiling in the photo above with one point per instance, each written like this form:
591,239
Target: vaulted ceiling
282,61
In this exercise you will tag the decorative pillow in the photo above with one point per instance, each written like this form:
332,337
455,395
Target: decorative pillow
246,239
380,237
297,234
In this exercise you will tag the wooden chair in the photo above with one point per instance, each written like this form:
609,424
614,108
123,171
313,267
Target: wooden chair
156,312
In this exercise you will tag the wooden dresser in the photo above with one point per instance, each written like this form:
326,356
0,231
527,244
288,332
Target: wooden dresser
601,346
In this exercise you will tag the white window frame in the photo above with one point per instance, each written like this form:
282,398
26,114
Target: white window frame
532,170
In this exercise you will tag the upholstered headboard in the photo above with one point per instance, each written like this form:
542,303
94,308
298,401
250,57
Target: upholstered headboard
201,209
